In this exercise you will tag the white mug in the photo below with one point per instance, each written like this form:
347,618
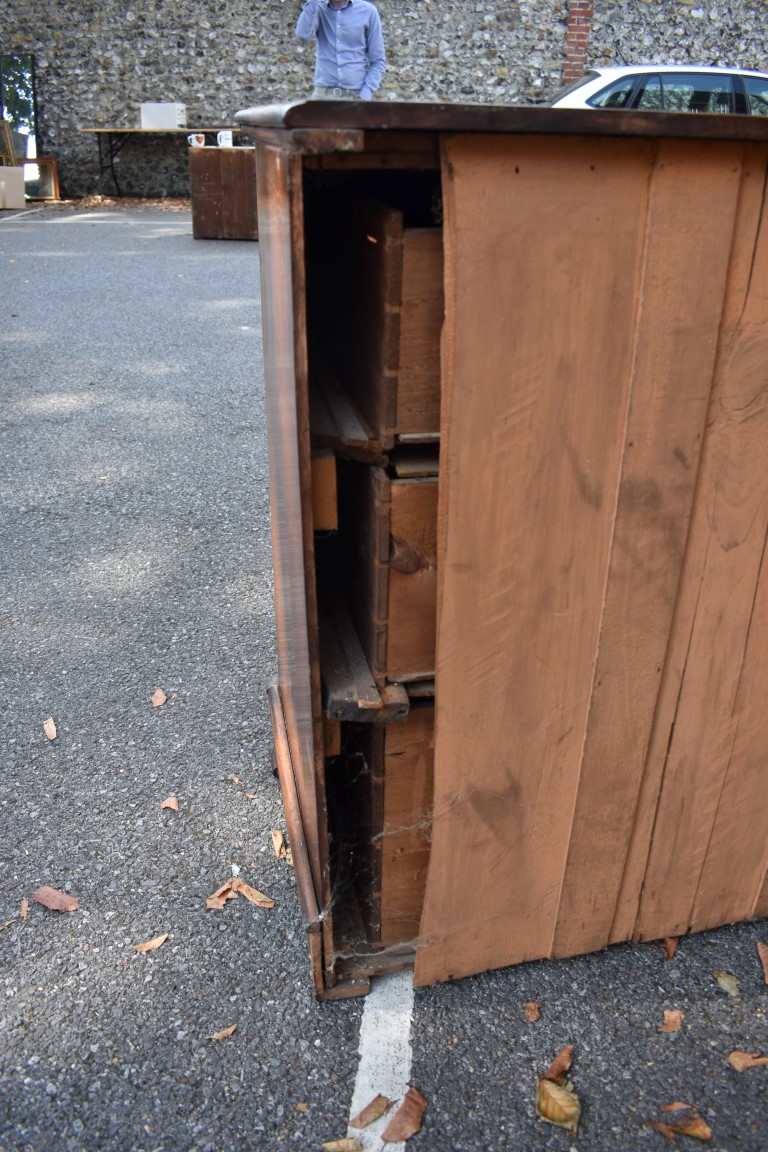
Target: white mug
224,139
196,140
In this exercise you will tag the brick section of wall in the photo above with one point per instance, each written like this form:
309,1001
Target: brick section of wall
577,39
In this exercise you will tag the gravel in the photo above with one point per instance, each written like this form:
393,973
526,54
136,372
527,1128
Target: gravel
136,555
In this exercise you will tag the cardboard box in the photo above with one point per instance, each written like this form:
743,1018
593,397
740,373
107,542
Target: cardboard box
163,116
11,187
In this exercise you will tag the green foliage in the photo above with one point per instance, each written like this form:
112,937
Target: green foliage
18,93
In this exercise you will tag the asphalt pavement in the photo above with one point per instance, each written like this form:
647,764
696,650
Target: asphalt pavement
135,554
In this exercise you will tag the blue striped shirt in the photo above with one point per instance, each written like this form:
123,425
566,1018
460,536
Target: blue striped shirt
350,45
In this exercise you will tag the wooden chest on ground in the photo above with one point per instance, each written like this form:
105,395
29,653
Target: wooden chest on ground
222,185
574,306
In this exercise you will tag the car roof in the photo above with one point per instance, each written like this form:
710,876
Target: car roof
615,71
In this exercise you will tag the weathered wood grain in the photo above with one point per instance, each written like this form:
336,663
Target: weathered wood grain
539,317
279,196
678,289
707,852
222,185
407,825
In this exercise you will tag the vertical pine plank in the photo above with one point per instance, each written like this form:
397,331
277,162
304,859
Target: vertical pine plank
752,175
539,313
692,203
737,851
709,776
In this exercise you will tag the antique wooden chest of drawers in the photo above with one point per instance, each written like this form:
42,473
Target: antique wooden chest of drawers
517,412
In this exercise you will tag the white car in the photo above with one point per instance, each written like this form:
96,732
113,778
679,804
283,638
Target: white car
669,88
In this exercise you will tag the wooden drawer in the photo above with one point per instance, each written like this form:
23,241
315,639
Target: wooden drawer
386,281
388,528
388,802
408,763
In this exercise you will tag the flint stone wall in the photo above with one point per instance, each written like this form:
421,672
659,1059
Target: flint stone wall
97,61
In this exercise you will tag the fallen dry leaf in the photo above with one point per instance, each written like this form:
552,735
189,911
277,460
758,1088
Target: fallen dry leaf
727,982
221,895
406,1121
560,1065
252,894
56,901
50,728
558,1105
25,909
282,851
302,1107
673,1018
236,780
172,802
347,1144
695,1127
532,1011
669,944
373,1111
741,1061
158,698
225,1032
663,1128
150,945
762,951
250,795
692,1125
235,887
6,925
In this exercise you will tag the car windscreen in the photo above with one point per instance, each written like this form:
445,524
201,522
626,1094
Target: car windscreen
615,95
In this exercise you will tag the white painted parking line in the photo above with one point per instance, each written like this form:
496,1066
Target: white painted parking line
385,1053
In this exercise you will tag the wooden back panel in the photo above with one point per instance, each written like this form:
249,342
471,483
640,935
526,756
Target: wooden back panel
586,283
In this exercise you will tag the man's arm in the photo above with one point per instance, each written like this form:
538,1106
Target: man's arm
307,26
377,57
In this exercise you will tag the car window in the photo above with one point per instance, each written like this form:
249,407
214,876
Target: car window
697,92
650,97
587,78
615,95
757,95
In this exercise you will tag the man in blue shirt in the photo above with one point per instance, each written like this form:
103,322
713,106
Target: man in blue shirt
350,47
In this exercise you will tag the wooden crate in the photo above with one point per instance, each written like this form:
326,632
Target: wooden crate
388,550
223,193
386,280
